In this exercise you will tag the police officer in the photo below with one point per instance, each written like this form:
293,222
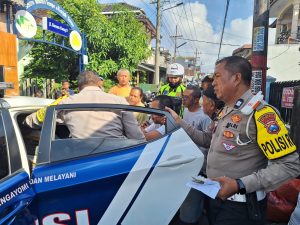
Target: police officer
243,142
174,88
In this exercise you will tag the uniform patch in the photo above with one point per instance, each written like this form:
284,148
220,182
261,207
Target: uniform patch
270,123
272,136
236,118
231,125
228,134
228,147
165,92
238,104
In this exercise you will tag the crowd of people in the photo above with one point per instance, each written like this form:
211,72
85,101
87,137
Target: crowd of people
241,151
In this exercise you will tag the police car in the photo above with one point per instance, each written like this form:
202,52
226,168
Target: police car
48,178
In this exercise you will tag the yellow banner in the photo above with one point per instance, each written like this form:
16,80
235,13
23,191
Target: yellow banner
272,135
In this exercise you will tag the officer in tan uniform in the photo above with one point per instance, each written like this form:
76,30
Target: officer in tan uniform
243,142
84,124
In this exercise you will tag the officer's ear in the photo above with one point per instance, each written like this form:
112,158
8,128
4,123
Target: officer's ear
238,78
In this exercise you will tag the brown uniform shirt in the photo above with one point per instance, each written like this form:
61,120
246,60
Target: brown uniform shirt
83,124
227,158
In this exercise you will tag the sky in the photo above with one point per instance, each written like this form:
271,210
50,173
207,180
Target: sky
202,21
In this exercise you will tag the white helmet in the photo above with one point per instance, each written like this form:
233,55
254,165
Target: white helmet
175,69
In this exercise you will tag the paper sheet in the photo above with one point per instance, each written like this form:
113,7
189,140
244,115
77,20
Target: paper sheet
209,188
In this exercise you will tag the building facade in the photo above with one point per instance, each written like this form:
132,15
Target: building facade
284,55
8,49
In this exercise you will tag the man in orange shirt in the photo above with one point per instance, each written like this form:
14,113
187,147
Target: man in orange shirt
123,88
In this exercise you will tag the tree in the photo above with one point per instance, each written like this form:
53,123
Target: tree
118,42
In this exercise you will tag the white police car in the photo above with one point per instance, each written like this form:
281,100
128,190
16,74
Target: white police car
85,182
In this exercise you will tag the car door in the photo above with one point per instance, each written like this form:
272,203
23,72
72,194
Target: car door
15,189
111,181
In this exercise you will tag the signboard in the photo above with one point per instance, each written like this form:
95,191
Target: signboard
258,39
56,27
51,5
85,60
287,97
26,24
75,40
256,81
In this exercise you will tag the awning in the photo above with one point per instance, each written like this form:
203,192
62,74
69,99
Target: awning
150,67
146,68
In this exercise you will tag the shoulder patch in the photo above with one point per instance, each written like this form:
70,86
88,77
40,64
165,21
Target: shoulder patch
272,135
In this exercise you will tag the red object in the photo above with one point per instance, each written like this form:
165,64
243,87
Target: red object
290,190
282,201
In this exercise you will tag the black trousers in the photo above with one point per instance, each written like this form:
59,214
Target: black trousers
234,213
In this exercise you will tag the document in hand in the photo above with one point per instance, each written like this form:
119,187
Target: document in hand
206,186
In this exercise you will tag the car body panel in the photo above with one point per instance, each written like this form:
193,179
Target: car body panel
16,194
139,184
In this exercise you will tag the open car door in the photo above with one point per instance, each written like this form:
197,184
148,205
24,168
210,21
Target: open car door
111,180
15,189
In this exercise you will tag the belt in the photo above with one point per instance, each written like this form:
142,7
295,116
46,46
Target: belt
242,198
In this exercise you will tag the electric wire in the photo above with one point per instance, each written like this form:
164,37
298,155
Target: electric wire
224,23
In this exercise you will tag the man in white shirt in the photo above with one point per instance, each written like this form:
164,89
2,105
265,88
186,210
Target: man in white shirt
193,113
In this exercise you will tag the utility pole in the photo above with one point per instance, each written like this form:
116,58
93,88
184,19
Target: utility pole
196,56
260,45
157,49
175,47
195,62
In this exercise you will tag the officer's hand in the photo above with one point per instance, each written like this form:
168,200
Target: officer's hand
229,187
173,114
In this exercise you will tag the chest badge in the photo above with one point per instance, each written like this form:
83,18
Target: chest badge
228,134
236,118
270,123
228,147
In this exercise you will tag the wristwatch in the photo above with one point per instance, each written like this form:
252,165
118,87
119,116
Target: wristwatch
241,186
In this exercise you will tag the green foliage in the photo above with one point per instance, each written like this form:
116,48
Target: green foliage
118,42
108,84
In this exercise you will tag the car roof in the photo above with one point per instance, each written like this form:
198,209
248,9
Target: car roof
23,101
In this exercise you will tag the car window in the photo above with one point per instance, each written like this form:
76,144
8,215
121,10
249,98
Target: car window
106,135
4,164
30,136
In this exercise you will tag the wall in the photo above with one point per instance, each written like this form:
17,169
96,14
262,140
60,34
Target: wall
283,62
8,59
3,26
